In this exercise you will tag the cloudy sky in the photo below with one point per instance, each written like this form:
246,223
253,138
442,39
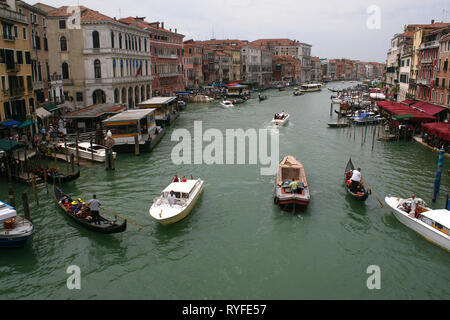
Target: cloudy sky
354,29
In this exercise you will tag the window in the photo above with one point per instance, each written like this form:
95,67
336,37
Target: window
29,83
16,32
120,40
24,32
97,69
112,39
19,57
79,96
63,43
65,70
95,40
45,42
62,24
27,57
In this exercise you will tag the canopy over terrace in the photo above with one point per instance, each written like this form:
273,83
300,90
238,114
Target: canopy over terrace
428,108
440,129
397,109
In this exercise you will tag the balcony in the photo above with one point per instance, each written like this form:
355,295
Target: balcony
429,45
16,92
13,67
167,56
425,82
67,82
426,60
167,75
38,85
13,16
9,37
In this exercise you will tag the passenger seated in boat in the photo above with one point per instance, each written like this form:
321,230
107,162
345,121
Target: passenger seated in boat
176,179
184,179
172,198
294,186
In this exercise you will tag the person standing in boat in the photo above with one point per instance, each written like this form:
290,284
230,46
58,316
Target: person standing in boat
414,205
355,180
94,204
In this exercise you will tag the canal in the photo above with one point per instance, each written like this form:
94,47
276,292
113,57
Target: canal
237,244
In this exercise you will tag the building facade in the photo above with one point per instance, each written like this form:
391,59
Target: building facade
17,99
443,72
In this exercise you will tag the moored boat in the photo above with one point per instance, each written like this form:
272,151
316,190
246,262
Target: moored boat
54,175
226,104
433,225
280,119
291,186
361,193
176,202
338,124
15,231
95,152
67,204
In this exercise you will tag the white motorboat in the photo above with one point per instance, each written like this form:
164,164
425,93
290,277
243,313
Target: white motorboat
14,231
226,104
311,87
280,119
85,150
433,225
168,209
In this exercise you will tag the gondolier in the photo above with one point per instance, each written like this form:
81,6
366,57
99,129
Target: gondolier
94,204
356,180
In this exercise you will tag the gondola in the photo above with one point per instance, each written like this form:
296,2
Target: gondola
360,195
262,98
57,176
105,226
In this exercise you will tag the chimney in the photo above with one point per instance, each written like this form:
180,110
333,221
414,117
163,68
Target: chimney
432,21
162,25
175,30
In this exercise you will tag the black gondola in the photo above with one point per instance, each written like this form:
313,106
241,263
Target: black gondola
262,98
105,226
362,194
56,175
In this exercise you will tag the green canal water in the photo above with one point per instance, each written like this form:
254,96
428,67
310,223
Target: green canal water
237,244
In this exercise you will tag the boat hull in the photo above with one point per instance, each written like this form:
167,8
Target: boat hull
143,147
15,242
183,214
418,226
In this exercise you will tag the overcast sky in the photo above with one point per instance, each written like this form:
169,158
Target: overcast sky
335,28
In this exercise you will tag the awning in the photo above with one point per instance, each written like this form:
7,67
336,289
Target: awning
430,109
51,108
441,129
42,113
27,123
11,124
9,145
408,102
403,117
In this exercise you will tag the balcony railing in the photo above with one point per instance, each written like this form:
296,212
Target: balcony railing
425,82
168,56
12,15
426,60
55,77
429,45
9,37
166,75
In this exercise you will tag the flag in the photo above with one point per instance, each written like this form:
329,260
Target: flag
139,70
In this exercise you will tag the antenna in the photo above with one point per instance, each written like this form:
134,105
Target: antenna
120,14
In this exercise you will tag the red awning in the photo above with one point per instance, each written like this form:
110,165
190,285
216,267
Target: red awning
430,109
441,129
408,102
395,108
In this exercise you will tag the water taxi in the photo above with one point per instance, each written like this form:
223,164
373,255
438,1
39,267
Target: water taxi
297,92
226,104
94,152
311,87
176,201
280,119
433,225
131,126
291,170
14,231
166,109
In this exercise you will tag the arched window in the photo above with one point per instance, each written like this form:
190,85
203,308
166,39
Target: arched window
120,40
112,39
65,70
97,69
116,95
63,43
124,95
95,39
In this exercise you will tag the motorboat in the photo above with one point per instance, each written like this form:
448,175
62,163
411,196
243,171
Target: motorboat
297,92
15,231
433,225
280,119
291,174
226,104
176,201
181,105
311,87
86,151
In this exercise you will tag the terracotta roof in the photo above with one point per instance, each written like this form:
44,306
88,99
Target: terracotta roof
277,42
87,14
429,26
142,24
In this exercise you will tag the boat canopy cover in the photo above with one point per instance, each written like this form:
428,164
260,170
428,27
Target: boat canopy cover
11,124
290,169
183,187
441,216
6,212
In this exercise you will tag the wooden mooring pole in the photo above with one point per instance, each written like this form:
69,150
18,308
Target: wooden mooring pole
26,206
136,144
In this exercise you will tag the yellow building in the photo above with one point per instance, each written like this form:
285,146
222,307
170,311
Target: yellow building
17,101
235,55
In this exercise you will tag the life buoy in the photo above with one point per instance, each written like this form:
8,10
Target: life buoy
276,200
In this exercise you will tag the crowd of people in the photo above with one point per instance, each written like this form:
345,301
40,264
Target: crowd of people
86,210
